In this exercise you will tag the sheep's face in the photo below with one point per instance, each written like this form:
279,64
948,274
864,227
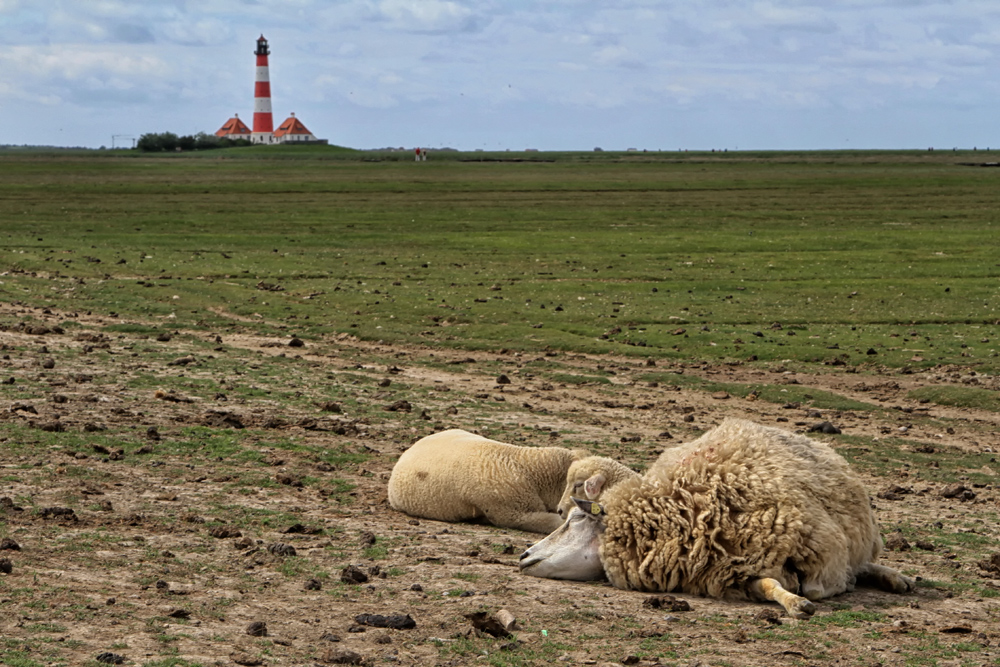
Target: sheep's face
572,551
584,479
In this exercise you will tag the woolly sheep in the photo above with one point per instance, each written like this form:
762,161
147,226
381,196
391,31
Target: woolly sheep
589,478
745,510
455,475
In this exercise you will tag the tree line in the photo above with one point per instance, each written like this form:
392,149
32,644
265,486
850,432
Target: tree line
158,142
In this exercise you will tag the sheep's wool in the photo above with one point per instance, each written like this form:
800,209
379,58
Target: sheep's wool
742,501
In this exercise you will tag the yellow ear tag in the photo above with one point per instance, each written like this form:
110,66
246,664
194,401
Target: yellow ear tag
595,508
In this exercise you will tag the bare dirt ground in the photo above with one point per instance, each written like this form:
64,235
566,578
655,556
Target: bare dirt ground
161,555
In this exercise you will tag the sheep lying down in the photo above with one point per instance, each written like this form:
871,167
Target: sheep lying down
745,510
455,475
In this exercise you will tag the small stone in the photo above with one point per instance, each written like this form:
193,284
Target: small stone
223,532
896,542
109,658
340,656
257,629
313,585
958,491
9,545
824,427
394,621
353,575
6,567
281,549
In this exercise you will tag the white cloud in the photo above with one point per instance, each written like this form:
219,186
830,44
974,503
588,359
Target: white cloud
430,16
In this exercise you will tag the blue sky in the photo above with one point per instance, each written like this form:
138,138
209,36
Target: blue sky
512,74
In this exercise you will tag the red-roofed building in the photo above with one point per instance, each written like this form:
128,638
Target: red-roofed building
234,128
292,130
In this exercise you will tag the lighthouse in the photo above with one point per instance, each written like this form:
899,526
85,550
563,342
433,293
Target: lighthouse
263,124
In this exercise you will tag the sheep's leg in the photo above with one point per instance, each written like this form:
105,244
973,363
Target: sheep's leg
538,522
885,578
533,522
766,588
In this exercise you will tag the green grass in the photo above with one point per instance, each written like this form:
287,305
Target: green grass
806,396
885,457
961,397
582,253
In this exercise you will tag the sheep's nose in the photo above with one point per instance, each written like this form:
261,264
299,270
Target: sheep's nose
560,512
524,555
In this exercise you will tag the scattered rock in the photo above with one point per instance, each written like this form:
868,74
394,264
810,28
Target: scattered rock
330,406
896,542
6,566
394,621
668,602
300,529
257,629
224,532
109,658
181,361
399,406
296,342
341,656
991,564
491,625
245,659
281,549
243,543
7,504
958,491
893,492
220,419
768,615
503,379
353,575
824,427
58,513
313,585
288,480
8,544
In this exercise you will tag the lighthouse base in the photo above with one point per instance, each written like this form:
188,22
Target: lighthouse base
262,138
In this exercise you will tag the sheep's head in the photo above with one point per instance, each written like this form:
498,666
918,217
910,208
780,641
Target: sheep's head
587,478
572,551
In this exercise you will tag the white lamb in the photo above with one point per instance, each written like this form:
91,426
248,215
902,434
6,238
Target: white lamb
745,509
455,475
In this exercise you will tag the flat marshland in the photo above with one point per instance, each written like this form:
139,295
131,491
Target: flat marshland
205,356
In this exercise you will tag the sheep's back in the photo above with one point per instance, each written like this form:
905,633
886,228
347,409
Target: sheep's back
743,500
452,475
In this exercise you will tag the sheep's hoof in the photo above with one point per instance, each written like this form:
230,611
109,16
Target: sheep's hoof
801,609
901,584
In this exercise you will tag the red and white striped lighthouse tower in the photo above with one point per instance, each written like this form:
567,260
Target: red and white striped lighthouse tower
263,124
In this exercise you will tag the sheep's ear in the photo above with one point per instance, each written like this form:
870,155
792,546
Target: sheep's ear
589,506
592,487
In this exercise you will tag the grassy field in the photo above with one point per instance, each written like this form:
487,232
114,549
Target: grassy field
887,258
206,359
